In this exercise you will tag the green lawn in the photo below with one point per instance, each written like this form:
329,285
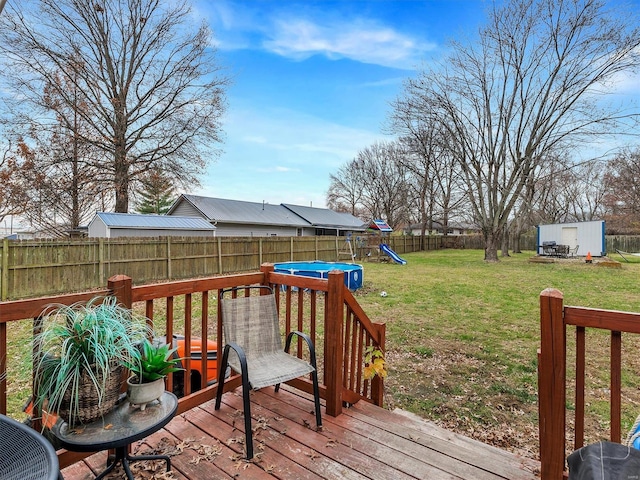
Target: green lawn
462,337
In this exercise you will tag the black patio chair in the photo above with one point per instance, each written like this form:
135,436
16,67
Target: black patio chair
25,453
251,329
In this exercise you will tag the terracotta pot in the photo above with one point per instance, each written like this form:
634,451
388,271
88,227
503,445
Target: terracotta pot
140,394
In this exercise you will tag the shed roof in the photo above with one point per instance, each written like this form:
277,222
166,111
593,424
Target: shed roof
145,221
323,217
380,225
236,211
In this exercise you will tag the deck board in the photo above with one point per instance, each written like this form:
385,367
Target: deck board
365,442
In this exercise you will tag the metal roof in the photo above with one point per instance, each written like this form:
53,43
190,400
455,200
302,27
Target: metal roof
145,221
380,225
323,217
235,211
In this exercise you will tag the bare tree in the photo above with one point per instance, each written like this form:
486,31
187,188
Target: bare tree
64,185
373,185
434,174
346,189
385,188
622,197
150,82
13,194
531,84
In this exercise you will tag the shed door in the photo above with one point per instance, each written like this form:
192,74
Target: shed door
570,236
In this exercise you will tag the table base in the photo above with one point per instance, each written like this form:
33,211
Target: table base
123,456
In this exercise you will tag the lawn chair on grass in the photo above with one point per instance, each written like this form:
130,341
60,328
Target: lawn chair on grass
252,331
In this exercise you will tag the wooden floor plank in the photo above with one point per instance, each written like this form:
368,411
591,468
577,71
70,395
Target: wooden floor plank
365,442
312,456
481,460
229,461
78,471
270,447
468,462
356,452
411,420
376,443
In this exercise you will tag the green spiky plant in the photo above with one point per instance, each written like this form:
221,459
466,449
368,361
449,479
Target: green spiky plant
153,362
79,341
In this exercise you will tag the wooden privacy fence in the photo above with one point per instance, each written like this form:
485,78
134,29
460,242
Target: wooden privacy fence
556,322
31,268
322,308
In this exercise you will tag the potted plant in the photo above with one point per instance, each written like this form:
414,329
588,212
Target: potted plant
151,365
79,356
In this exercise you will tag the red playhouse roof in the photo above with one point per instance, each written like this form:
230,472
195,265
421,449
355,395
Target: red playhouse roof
380,225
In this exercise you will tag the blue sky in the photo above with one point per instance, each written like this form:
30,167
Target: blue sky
312,83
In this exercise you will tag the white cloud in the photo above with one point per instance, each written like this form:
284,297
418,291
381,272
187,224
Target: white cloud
300,34
360,40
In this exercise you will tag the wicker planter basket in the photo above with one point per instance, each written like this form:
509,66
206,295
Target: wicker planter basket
90,406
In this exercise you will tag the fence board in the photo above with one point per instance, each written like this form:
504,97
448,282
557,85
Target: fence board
33,268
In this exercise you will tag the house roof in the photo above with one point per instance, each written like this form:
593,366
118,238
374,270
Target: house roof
146,221
235,211
380,225
323,217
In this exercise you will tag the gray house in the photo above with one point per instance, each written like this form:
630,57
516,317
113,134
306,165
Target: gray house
328,222
111,225
234,218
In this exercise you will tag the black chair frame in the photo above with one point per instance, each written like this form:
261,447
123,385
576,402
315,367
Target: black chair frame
246,387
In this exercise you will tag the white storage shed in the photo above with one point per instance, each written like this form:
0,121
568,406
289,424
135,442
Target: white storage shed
111,225
587,236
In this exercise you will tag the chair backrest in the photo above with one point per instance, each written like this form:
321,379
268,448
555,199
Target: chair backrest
252,323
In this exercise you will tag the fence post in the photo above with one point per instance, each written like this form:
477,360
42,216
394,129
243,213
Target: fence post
220,269
552,358
4,278
120,287
100,260
169,258
333,341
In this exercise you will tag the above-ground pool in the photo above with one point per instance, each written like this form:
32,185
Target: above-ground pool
353,273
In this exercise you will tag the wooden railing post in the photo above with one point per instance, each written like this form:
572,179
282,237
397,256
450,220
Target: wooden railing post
551,385
120,287
333,338
267,269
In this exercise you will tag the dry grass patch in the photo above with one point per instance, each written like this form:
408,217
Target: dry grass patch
462,340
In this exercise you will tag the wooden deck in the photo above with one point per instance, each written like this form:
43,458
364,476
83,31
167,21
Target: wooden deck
365,442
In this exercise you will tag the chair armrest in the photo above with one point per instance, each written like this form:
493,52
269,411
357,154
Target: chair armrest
307,339
242,358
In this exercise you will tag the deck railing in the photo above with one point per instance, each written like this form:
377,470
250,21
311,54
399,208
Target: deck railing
325,309
555,321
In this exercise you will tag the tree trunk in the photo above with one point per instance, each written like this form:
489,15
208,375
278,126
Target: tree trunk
516,242
121,181
491,243
505,241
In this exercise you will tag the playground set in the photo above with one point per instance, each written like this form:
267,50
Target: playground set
372,246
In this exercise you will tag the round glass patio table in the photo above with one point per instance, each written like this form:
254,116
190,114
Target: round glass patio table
118,429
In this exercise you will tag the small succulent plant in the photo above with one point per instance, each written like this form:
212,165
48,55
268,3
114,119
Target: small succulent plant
153,362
